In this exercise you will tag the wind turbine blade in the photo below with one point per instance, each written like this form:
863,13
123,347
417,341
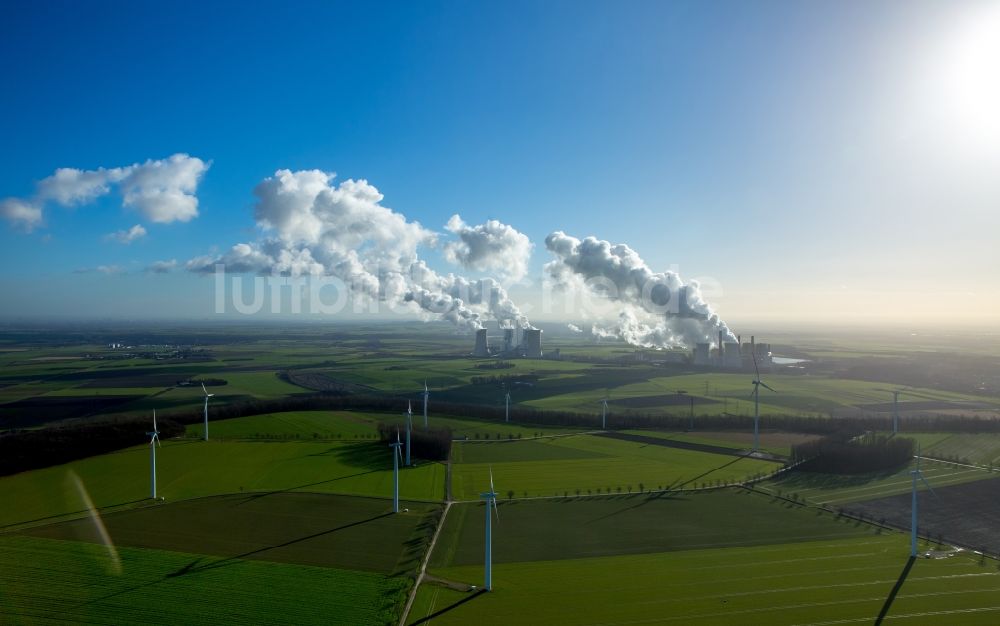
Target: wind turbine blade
496,509
203,389
756,372
764,385
154,420
492,490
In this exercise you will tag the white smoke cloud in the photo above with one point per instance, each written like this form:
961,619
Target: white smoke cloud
21,214
492,246
162,191
127,236
574,328
312,226
657,309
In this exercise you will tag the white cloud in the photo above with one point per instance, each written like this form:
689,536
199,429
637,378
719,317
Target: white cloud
20,214
70,187
162,191
101,269
492,246
127,236
161,267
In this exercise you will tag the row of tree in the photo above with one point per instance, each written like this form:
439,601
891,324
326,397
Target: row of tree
842,454
44,447
430,444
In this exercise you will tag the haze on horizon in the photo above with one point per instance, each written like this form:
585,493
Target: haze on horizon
807,164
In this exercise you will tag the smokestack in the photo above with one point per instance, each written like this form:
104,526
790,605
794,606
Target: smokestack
482,346
722,339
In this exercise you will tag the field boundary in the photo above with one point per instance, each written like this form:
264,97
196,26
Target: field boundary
423,566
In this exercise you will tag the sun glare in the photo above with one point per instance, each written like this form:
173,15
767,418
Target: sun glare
967,76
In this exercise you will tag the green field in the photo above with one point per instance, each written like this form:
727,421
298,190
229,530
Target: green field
349,425
980,449
839,581
590,463
571,528
189,469
346,532
840,489
724,556
291,424
775,442
49,581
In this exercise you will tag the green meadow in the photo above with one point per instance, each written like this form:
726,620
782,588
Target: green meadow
191,469
53,581
817,583
588,463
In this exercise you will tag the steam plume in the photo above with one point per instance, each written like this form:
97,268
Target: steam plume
657,309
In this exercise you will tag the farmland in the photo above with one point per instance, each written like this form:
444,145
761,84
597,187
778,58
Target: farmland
590,463
638,519
683,559
823,582
838,490
190,469
47,580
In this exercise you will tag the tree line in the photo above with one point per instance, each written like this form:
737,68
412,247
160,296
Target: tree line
54,445
431,444
842,454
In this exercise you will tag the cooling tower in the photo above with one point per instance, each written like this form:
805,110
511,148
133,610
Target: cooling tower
482,345
508,339
702,354
532,343
732,357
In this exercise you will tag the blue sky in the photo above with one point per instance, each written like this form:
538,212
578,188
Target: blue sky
799,154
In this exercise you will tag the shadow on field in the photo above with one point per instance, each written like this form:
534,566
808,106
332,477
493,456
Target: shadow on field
103,509
448,608
254,496
704,474
193,567
895,590
369,455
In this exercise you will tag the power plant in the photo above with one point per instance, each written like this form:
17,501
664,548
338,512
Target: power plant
733,355
512,342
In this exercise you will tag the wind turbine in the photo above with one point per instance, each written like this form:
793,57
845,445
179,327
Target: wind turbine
154,441
895,407
916,473
207,396
604,414
507,409
427,395
757,384
395,473
491,499
409,425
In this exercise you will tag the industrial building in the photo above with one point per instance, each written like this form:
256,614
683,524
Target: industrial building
512,342
733,355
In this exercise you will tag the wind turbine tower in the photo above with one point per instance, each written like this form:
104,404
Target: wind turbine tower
427,395
916,473
604,414
895,411
507,410
409,425
207,396
491,503
154,441
395,473
757,384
